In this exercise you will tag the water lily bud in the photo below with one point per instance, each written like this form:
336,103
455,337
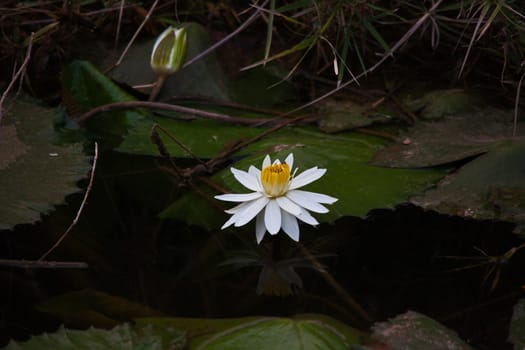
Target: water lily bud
169,51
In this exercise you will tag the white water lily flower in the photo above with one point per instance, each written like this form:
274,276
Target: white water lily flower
276,191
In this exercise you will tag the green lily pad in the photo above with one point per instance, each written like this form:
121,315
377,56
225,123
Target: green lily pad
431,143
122,337
36,172
205,138
359,186
492,187
302,332
517,326
414,331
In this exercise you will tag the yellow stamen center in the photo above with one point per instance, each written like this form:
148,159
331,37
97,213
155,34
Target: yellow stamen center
275,179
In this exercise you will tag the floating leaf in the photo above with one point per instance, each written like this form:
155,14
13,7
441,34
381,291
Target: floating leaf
205,138
414,331
517,326
359,186
36,172
492,187
121,337
453,138
302,332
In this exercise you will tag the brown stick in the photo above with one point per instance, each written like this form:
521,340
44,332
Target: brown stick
88,190
17,75
37,264
170,107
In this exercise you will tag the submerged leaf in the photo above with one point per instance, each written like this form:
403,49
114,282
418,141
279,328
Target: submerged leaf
414,331
335,116
451,139
441,103
36,172
89,307
491,187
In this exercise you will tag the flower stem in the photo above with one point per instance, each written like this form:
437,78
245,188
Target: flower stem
158,86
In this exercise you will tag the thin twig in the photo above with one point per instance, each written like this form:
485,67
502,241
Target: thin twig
516,106
88,190
32,264
124,53
17,75
119,23
243,26
170,107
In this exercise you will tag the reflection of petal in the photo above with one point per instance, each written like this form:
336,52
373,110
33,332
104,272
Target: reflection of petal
306,201
306,177
288,205
290,226
239,197
272,217
246,179
260,228
318,197
306,217
244,216
289,161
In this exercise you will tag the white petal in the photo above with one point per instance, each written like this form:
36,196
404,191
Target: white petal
236,208
290,226
306,177
239,197
267,161
254,171
318,197
257,174
272,217
289,161
228,223
246,179
260,228
288,205
247,214
306,217
303,199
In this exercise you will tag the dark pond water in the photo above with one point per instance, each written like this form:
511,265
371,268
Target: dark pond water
390,262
